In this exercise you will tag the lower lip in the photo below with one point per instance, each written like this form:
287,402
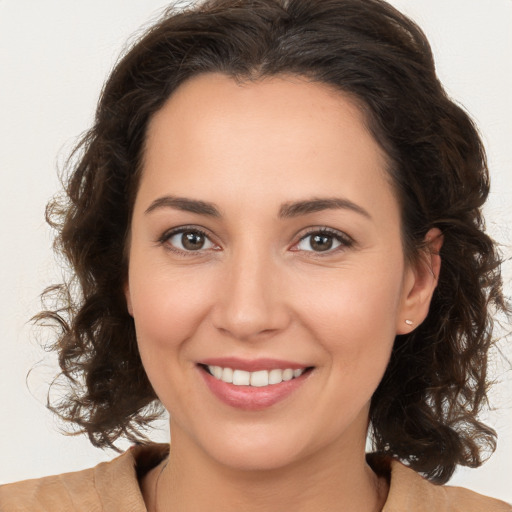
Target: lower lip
251,398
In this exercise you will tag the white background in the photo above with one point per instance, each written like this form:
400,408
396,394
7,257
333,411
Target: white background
54,56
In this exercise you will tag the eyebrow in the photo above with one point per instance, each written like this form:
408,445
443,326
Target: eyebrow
286,211
297,208
184,204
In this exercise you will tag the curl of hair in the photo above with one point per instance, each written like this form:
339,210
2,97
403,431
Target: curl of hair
425,410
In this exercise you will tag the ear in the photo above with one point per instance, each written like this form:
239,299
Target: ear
420,281
128,297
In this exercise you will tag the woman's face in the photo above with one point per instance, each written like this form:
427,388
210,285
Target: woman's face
265,239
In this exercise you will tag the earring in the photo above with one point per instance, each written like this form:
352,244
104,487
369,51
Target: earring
409,322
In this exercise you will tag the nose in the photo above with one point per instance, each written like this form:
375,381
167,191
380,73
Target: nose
251,304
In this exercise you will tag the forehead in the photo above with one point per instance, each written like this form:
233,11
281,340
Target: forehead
207,103
275,137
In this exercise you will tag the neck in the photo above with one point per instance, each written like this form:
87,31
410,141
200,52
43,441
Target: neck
334,480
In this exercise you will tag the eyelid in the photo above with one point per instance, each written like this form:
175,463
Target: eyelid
164,238
346,241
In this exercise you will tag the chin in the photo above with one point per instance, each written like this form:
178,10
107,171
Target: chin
258,448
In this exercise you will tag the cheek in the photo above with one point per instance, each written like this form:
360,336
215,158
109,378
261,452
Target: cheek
351,300
168,306
354,317
167,311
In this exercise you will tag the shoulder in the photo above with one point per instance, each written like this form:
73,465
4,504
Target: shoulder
110,486
52,493
410,492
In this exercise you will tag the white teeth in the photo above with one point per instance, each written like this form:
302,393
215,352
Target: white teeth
241,378
260,378
275,376
217,371
288,374
227,375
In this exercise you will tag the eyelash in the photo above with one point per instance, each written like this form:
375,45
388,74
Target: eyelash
344,240
183,229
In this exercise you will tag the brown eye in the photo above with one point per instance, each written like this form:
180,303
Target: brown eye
192,241
189,240
323,241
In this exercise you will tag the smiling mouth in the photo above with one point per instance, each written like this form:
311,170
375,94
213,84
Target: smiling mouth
259,379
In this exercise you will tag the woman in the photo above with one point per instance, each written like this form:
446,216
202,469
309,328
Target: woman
276,234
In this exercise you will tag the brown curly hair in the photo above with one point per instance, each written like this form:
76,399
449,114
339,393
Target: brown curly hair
424,411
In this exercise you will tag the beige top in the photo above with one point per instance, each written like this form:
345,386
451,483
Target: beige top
114,487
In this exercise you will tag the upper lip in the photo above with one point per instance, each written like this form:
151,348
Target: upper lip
252,365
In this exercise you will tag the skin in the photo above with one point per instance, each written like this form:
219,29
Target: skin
258,288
